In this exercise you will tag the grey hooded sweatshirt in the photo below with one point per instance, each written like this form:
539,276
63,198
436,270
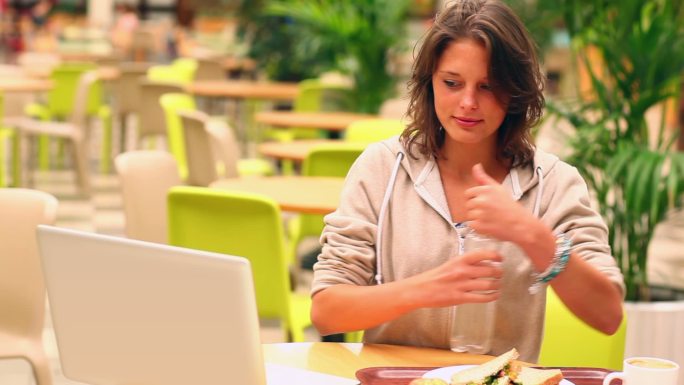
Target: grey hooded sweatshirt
418,234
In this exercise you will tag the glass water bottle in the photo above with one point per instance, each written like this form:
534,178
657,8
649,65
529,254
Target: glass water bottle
472,324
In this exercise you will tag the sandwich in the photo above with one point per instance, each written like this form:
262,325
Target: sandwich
504,370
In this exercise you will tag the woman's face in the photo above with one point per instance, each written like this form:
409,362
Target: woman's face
464,100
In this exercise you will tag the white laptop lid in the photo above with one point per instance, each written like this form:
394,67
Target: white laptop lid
128,312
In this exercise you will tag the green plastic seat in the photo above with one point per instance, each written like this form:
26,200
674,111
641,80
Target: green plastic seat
246,225
188,66
181,71
5,133
373,130
313,96
323,160
566,339
59,105
172,104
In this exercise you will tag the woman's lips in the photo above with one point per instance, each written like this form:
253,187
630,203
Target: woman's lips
467,122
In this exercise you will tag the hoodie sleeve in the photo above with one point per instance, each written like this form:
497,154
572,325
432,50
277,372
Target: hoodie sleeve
348,239
567,209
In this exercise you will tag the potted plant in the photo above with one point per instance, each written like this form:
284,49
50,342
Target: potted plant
636,175
360,34
275,42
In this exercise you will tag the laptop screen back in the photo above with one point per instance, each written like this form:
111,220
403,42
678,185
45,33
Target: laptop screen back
127,312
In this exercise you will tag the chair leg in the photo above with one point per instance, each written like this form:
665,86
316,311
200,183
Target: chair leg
295,335
44,152
17,159
3,142
41,368
122,122
105,116
81,164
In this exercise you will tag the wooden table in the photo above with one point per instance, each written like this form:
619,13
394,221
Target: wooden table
296,150
331,121
244,89
344,359
24,85
302,194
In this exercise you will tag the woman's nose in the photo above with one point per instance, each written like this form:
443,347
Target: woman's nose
469,100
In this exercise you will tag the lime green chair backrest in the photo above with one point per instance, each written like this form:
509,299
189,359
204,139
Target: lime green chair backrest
187,66
241,224
60,99
324,160
373,130
4,134
172,104
316,96
566,339
181,71
332,159
161,73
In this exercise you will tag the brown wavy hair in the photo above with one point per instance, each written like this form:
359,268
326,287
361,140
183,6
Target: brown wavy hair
514,72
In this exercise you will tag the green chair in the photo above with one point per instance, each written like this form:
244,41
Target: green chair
373,130
246,225
73,131
314,96
60,104
187,66
181,71
172,104
163,73
5,133
566,339
323,160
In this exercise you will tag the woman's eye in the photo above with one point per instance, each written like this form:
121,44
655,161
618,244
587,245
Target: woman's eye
486,87
451,83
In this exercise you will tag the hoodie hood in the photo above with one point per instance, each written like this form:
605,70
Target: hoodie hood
520,179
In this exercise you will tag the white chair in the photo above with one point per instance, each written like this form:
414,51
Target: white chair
22,297
73,131
213,153
145,178
151,118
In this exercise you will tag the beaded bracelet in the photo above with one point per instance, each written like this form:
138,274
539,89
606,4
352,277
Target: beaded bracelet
560,260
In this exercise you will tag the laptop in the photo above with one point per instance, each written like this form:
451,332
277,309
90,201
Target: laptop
128,312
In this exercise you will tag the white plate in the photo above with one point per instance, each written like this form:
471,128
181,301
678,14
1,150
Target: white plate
446,372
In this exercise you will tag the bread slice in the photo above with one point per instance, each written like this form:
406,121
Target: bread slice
478,374
531,376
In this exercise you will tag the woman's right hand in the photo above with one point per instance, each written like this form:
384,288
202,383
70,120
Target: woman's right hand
473,277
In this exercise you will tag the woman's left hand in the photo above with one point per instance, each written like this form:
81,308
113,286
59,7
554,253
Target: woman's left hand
492,211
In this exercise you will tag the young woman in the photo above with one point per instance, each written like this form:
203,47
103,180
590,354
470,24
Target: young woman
390,262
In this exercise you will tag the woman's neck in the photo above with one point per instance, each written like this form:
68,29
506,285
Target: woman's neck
458,160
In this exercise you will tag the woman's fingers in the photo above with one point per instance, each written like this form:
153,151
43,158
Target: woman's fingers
476,257
480,297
